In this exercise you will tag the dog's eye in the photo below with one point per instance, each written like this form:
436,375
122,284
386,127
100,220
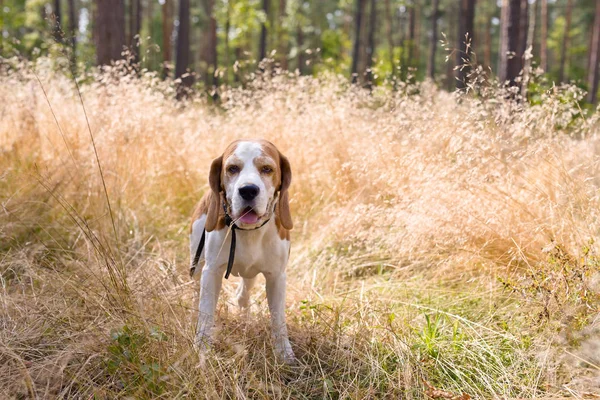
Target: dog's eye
266,169
233,169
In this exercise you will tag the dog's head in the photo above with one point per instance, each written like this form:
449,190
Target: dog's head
250,178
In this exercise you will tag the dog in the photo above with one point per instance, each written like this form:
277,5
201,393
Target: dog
242,226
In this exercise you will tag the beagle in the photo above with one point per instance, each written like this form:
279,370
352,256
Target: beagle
241,226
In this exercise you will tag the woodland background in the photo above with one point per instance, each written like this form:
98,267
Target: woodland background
211,42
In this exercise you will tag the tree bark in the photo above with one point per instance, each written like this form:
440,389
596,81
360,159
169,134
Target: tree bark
167,33
565,42
135,19
528,44
300,43
262,50
465,40
510,62
434,39
594,58
56,16
110,30
544,36
73,32
283,42
487,52
210,51
360,7
371,42
183,44
389,34
523,27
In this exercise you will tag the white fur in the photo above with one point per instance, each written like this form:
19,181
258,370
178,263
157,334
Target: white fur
257,251
244,154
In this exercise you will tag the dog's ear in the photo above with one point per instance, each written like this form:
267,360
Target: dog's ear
214,205
283,206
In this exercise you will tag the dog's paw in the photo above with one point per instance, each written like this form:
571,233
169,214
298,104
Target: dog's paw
285,354
203,343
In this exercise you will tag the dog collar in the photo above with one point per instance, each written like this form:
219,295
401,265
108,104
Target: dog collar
230,223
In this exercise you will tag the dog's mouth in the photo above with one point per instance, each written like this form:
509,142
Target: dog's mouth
249,216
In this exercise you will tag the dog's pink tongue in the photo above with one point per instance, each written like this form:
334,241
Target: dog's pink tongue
249,217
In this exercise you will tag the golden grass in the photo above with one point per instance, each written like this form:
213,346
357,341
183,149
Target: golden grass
408,208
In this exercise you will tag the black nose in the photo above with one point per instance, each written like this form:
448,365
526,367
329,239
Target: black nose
249,192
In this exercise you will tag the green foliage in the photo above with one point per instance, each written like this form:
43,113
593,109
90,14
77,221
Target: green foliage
133,368
564,285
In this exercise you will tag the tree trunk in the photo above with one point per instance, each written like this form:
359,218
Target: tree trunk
565,42
544,36
283,42
523,28
417,34
56,16
135,19
510,62
110,30
487,52
262,49
360,8
594,58
227,29
465,40
371,42
167,33
434,39
389,34
73,32
183,44
210,51
300,43
527,57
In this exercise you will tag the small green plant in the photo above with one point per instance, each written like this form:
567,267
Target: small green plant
128,361
563,288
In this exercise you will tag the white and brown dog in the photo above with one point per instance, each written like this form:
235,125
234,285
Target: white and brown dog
249,195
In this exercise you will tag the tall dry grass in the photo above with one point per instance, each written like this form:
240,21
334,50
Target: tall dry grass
411,207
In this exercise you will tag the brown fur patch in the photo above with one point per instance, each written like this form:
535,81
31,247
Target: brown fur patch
202,209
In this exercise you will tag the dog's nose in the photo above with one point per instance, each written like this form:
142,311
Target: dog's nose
249,192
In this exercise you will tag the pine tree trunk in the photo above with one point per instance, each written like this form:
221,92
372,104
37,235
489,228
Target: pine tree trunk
73,32
167,33
183,44
283,42
56,16
594,58
417,35
434,39
465,37
371,42
487,52
544,36
300,42
109,27
565,42
135,18
510,62
210,50
360,7
390,38
527,57
523,27
262,49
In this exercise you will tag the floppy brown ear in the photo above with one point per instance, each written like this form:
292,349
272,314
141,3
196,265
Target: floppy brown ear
283,207
214,180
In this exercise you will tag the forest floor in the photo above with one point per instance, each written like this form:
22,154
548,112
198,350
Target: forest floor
443,245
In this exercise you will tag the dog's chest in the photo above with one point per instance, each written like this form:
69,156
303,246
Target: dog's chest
265,253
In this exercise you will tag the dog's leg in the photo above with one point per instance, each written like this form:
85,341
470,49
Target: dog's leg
243,292
276,299
210,286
